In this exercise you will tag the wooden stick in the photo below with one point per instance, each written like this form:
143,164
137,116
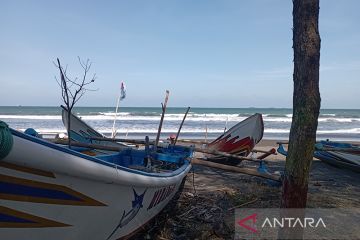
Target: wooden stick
249,171
87,145
134,141
161,120
203,142
178,133
192,141
241,205
224,154
271,151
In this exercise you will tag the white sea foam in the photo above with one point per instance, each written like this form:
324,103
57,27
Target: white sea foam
174,117
345,120
351,130
192,130
126,116
113,114
35,117
277,119
338,131
124,130
284,119
274,130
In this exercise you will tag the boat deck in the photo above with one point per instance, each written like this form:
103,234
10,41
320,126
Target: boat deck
163,160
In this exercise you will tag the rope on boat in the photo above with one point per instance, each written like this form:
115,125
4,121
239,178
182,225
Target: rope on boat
6,140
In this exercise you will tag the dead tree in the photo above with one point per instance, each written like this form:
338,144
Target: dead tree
73,89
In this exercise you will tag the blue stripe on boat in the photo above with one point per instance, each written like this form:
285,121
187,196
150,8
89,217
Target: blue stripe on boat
11,219
17,189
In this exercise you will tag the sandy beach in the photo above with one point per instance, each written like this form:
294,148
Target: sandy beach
206,206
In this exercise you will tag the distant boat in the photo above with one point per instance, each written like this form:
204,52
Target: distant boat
81,132
49,191
339,154
241,138
342,155
238,140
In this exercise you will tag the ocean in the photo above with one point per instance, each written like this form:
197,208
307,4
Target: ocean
138,122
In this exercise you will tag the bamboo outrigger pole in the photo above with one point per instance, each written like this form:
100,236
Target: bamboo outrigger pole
249,171
178,133
162,119
88,145
208,151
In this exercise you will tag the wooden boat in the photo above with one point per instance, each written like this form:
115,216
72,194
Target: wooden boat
338,159
344,151
49,191
241,138
81,132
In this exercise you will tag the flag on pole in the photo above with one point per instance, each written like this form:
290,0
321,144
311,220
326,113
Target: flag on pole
121,97
122,91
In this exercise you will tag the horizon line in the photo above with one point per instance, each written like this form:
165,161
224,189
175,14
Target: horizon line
177,107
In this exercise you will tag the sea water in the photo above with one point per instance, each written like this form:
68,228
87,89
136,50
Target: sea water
138,122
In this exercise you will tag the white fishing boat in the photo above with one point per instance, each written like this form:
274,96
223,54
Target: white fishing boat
241,138
81,132
49,191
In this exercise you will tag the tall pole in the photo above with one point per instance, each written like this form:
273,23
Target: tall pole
122,95
178,133
116,111
162,119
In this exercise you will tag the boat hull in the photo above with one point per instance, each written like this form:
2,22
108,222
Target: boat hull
48,192
333,158
241,138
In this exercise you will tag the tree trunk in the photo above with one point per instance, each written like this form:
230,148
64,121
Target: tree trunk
306,106
306,102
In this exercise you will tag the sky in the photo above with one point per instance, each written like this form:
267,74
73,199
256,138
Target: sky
208,53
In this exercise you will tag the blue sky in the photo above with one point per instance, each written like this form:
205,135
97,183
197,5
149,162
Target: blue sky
207,53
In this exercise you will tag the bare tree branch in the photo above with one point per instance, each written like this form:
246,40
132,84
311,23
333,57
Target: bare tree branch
72,89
